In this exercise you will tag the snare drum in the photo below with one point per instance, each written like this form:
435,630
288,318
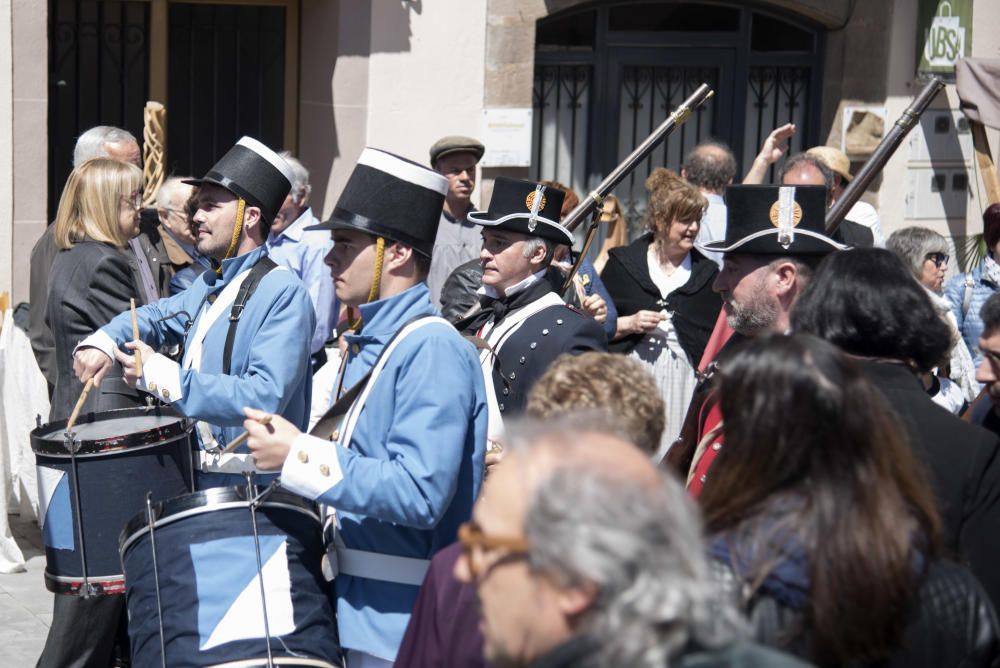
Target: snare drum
85,500
195,568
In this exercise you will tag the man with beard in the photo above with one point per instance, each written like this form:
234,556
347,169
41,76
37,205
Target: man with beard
775,236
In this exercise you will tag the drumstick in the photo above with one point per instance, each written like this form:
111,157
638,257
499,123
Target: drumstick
79,404
135,337
238,441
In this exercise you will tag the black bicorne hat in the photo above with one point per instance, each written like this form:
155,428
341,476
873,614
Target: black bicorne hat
254,172
391,197
775,220
526,207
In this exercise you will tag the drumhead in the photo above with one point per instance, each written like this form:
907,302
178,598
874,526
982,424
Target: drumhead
112,431
207,501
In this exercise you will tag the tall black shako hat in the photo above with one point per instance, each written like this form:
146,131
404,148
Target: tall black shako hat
775,220
391,197
526,207
253,172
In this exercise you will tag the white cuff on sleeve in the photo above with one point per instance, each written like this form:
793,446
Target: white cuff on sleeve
311,467
161,376
101,341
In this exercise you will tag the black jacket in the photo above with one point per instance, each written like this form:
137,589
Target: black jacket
89,285
950,621
694,305
963,464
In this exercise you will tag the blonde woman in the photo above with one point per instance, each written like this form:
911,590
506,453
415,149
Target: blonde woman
92,279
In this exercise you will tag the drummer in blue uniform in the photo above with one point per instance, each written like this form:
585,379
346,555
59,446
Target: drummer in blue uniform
525,322
234,356
406,462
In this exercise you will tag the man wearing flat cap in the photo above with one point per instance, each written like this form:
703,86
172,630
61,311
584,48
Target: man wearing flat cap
523,319
775,235
245,325
400,454
457,240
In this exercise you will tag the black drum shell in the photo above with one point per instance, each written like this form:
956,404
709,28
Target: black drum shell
199,519
114,476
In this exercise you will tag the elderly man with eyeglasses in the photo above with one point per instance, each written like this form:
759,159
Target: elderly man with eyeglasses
581,552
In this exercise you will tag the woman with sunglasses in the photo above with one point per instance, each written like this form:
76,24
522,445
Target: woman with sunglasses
92,278
925,254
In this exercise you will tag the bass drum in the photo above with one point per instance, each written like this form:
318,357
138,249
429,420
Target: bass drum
195,572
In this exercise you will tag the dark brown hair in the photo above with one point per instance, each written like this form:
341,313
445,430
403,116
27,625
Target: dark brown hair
809,439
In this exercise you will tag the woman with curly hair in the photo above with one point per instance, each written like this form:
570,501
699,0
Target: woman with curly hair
662,287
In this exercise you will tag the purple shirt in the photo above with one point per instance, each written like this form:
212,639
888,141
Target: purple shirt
444,627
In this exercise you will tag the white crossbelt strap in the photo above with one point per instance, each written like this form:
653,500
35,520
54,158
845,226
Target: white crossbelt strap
496,336
360,563
192,360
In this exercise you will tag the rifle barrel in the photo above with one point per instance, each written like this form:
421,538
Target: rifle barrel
587,204
852,193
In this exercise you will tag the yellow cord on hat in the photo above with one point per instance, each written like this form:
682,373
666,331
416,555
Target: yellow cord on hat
376,283
241,206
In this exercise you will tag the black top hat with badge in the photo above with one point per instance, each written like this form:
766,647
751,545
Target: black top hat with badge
775,220
253,172
391,197
526,207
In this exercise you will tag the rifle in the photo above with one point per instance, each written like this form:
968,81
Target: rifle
852,193
591,204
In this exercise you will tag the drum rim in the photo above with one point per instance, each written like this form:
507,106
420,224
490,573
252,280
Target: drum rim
164,434
278,661
62,584
209,500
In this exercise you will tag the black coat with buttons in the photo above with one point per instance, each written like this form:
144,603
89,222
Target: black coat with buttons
694,306
527,353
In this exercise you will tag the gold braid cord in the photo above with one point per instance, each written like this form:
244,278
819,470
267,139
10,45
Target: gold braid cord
241,205
376,283
154,143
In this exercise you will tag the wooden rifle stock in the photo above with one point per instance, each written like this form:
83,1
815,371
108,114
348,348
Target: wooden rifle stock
852,193
593,200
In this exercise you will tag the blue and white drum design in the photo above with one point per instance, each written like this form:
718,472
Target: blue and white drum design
201,588
121,456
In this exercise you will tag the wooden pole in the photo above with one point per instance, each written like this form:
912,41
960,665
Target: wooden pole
984,159
154,147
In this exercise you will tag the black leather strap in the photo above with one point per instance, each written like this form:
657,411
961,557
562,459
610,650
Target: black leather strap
249,285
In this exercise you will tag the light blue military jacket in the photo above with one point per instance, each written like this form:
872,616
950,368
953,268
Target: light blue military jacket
414,465
270,360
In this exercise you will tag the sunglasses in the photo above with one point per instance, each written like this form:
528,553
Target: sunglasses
939,259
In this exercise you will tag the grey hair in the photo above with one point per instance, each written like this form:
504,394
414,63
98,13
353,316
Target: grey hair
912,244
638,543
532,245
805,158
300,179
167,190
91,143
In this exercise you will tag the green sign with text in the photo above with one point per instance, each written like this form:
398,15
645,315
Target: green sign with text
945,35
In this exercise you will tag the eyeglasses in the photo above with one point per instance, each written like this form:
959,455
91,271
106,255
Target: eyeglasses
475,543
133,199
939,259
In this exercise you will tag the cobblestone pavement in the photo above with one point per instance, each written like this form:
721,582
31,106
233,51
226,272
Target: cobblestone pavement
25,604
